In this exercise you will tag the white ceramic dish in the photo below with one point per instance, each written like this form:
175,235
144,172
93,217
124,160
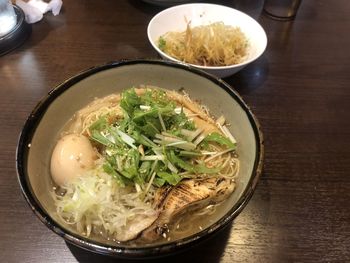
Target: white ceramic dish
174,19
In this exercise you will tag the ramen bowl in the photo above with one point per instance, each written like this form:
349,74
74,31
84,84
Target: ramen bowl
175,19
46,121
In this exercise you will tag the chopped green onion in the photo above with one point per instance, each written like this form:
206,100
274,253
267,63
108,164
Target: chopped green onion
229,134
153,158
199,139
182,145
172,168
150,183
189,153
169,135
127,139
178,110
145,107
221,120
161,121
218,154
195,134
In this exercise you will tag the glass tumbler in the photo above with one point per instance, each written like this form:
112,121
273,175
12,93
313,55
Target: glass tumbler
8,17
282,9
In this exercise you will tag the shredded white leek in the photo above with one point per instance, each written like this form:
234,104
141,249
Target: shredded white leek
95,200
215,44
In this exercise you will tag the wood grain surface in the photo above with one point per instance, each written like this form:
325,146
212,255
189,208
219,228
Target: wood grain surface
299,90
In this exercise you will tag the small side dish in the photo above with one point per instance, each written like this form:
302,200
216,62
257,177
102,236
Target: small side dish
215,38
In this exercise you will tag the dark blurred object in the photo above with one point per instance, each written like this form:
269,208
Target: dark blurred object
168,2
282,9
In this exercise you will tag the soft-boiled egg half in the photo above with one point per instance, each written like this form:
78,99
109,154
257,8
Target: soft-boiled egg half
72,156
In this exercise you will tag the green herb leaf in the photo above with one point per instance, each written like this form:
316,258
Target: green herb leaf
161,43
181,121
98,137
218,138
202,169
109,169
170,178
159,182
130,101
139,115
149,129
179,162
198,169
126,173
100,124
141,139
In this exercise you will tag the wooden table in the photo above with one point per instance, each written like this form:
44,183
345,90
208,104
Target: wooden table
299,90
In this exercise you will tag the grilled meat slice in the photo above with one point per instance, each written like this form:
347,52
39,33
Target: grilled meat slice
136,226
187,194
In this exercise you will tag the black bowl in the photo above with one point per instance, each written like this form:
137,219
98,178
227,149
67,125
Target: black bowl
44,124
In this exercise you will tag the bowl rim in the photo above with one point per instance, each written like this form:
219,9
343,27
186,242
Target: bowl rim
242,64
119,250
